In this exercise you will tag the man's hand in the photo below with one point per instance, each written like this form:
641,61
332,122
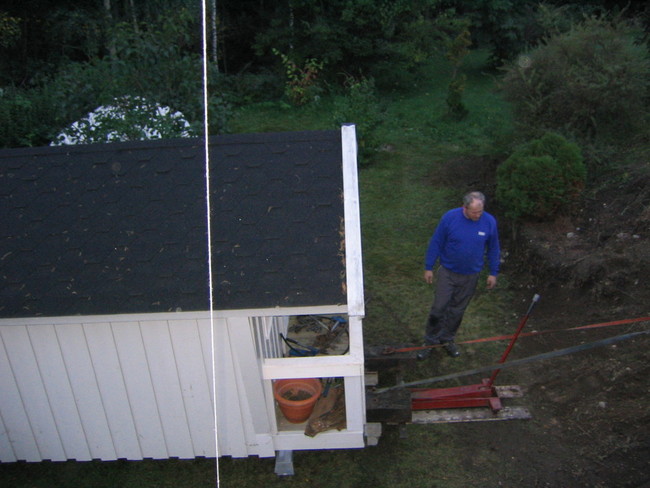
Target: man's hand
428,276
491,282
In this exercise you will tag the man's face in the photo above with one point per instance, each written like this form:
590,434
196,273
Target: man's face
474,210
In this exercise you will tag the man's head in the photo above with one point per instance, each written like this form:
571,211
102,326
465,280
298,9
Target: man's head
473,204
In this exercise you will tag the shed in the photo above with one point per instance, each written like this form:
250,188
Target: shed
109,348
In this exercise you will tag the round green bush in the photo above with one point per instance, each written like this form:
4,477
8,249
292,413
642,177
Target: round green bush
541,178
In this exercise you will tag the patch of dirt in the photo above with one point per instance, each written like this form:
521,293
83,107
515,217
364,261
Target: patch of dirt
591,420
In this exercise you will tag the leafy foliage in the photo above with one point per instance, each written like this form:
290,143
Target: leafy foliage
360,105
592,81
154,63
128,119
503,25
541,178
386,40
9,29
457,40
25,117
301,85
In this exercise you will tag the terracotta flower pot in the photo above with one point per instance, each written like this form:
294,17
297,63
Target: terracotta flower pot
297,397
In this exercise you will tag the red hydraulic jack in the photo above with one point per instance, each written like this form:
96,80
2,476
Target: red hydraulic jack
484,394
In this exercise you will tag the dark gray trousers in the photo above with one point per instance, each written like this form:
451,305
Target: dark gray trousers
453,293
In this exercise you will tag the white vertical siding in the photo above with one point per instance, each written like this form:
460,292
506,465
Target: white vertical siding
85,388
112,390
166,384
227,395
195,384
18,440
59,390
267,335
30,385
140,390
123,387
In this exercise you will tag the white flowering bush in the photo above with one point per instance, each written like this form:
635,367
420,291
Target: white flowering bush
127,119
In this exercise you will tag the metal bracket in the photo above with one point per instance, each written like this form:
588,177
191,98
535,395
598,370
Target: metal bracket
284,463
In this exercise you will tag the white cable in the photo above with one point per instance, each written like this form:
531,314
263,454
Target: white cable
209,243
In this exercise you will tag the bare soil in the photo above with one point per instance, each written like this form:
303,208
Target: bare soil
591,410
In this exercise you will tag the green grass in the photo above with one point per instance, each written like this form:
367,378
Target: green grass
401,202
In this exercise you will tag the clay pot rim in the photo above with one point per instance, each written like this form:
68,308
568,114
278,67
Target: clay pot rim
278,384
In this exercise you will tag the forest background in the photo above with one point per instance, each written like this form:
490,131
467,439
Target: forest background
530,102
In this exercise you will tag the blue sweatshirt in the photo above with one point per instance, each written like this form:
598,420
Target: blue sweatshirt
461,244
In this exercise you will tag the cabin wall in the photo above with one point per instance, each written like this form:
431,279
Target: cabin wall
141,386
129,387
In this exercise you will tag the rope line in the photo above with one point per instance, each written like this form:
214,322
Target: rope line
519,362
524,334
204,19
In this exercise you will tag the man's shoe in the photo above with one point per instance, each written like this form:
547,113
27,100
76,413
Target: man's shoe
424,353
451,349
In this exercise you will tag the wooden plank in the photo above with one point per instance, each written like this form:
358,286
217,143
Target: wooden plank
282,311
88,400
169,399
469,415
230,430
205,336
355,325
208,355
140,391
355,403
33,395
59,391
17,442
252,402
7,454
113,318
509,391
353,255
344,439
371,378
195,384
110,381
313,367
164,316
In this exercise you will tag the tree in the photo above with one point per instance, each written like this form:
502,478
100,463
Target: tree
456,39
592,81
359,37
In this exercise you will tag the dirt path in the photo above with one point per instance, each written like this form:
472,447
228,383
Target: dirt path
591,421
591,413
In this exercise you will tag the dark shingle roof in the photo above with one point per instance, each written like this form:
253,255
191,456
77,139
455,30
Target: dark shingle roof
122,228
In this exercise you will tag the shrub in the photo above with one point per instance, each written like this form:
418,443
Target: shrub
128,119
592,82
541,178
27,117
302,85
360,106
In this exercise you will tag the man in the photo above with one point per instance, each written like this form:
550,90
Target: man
462,240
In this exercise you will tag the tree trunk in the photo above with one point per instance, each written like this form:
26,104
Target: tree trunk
215,45
134,17
109,24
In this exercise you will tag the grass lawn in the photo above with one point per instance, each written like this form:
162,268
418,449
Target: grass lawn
401,202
